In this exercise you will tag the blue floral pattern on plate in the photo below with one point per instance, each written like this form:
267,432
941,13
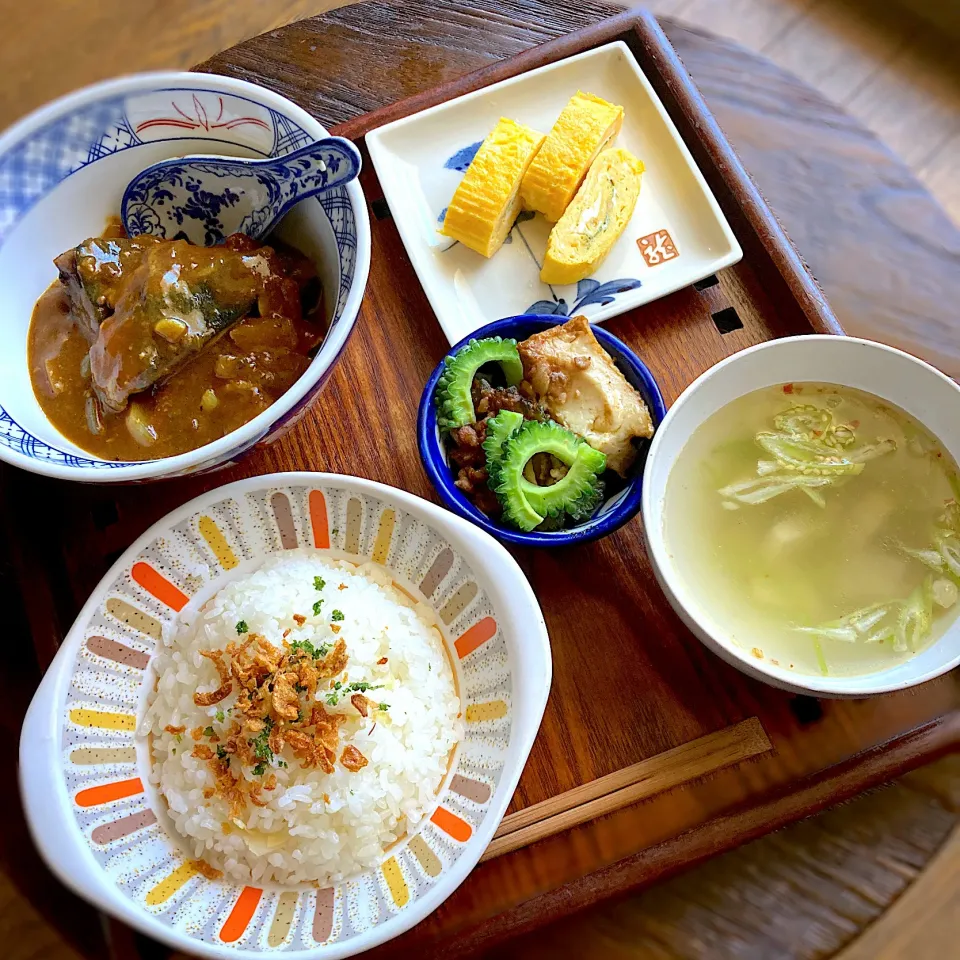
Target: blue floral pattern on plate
589,292
463,157
31,168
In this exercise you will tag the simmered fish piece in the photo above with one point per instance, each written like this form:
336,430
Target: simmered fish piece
176,299
94,273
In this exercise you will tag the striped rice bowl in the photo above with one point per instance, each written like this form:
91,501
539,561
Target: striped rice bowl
315,826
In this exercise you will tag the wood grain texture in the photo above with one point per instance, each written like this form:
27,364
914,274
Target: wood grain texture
359,62
891,68
940,174
75,42
616,790
756,22
39,918
28,935
802,893
838,48
924,923
883,249
918,90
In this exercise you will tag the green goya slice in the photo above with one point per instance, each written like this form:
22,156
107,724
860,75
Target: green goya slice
453,394
526,504
499,429
588,505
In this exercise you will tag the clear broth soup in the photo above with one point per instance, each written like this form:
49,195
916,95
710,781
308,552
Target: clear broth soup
819,525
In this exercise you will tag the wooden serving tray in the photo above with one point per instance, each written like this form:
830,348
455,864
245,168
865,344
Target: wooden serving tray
653,753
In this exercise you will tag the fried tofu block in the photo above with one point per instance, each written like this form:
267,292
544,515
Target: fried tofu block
487,201
593,222
584,391
586,125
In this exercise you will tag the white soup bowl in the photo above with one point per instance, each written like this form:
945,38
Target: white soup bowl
914,386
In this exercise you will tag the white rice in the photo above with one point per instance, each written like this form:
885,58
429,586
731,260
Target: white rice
301,836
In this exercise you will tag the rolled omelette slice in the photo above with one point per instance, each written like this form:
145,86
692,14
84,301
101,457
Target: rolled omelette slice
487,201
593,222
585,126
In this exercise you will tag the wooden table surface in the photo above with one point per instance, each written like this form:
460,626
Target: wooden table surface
884,253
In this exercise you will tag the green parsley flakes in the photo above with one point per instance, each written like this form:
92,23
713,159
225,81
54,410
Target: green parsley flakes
242,627
304,646
208,732
319,583
316,608
260,744
221,716
336,615
339,690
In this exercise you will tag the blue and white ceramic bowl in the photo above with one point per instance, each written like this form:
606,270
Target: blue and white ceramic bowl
63,170
620,508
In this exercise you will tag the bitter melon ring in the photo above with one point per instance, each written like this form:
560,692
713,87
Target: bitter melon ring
453,395
527,504
499,429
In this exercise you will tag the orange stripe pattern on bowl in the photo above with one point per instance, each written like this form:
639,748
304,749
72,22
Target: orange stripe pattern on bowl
241,914
452,825
318,520
476,636
159,586
109,792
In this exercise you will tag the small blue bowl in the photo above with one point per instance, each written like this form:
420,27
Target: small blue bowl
612,515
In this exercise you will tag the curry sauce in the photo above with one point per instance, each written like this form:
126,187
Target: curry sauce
146,349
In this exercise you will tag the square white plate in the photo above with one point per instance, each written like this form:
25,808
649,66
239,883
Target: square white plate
677,235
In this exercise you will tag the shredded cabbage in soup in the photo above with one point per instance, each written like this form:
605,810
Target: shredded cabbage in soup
820,526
